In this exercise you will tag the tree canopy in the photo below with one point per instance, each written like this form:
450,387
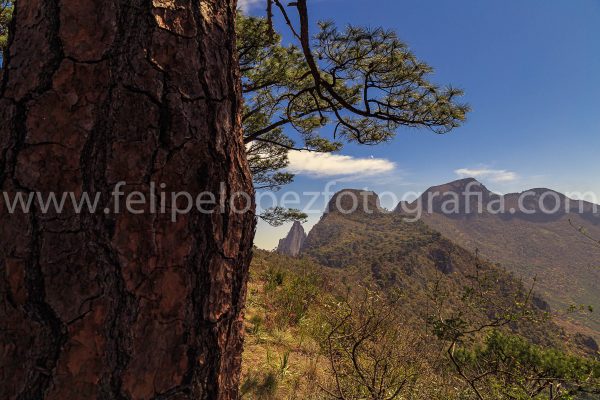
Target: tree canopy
337,86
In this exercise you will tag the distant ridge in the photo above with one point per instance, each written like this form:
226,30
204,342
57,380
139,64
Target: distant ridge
473,197
527,240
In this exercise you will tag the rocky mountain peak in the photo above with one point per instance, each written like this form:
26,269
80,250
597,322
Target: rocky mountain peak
462,196
349,201
292,243
460,186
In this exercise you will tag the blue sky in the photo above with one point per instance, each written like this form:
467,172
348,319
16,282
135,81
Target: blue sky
530,70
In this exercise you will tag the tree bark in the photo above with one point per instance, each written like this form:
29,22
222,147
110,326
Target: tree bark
117,305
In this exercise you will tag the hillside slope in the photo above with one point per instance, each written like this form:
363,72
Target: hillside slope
373,295
530,243
381,247
289,308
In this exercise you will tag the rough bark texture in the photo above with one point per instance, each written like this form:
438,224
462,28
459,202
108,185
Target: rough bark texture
121,306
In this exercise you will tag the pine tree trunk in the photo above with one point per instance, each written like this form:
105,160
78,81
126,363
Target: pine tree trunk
119,305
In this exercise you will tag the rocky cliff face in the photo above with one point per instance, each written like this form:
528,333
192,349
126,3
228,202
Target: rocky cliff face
292,243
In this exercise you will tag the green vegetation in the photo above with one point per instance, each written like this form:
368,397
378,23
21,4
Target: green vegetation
314,332
369,357
510,367
281,353
6,11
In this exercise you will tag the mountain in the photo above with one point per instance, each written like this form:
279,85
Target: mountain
536,235
373,245
292,243
347,201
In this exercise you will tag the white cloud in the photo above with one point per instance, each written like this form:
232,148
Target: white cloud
246,5
328,165
494,175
